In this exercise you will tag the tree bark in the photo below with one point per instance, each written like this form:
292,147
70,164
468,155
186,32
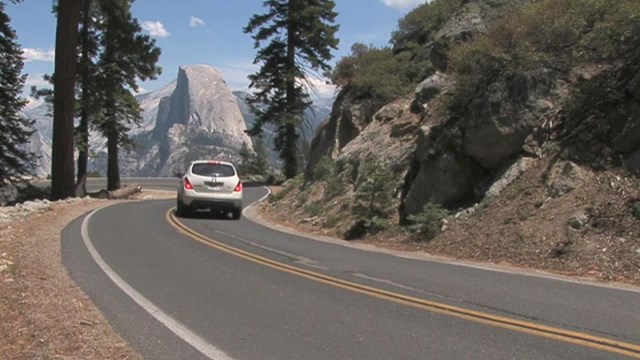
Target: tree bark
83,127
62,167
113,168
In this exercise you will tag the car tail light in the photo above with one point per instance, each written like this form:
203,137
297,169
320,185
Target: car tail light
187,184
238,187
214,162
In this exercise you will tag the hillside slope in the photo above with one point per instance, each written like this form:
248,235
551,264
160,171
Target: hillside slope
521,139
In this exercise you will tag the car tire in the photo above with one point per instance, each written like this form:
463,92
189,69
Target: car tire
236,213
182,210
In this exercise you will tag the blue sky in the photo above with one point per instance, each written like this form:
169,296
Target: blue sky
203,32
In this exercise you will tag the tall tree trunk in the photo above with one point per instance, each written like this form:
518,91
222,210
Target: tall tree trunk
113,168
62,170
289,151
83,127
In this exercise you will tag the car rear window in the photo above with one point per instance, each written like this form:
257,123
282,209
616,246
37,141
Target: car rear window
210,169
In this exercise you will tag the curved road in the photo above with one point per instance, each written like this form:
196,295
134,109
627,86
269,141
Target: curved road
203,288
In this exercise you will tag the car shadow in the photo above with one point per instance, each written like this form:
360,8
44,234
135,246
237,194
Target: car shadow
207,214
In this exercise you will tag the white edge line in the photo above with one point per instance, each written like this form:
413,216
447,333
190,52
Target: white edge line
257,201
169,322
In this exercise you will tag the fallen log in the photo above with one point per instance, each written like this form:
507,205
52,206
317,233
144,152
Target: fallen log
125,192
121,193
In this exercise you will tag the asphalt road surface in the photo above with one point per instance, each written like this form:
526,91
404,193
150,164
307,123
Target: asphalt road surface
210,287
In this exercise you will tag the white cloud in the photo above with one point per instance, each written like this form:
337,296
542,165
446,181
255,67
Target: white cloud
403,4
31,54
155,28
196,21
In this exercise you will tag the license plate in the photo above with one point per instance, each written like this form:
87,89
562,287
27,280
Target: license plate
214,185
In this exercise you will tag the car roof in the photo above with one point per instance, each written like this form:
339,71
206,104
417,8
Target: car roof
211,161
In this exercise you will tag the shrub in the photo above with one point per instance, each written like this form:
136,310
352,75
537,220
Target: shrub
375,73
549,34
428,221
313,209
417,27
374,191
288,186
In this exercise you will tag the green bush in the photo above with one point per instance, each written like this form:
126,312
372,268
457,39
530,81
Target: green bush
325,169
288,186
313,209
417,27
374,191
375,73
548,34
428,221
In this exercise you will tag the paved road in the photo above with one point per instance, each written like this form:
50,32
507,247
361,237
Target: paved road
239,290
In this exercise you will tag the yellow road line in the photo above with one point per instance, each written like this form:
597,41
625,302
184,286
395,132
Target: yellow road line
573,337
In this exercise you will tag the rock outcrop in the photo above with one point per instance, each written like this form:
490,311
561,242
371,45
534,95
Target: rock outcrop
348,118
201,119
455,150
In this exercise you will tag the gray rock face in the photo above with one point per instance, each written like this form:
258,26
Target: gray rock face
431,87
201,119
348,118
41,146
390,138
504,116
448,179
150,104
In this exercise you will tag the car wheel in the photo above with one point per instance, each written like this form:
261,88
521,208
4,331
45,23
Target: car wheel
236,213
183,210
179,208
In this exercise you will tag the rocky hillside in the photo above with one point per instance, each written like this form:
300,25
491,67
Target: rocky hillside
530,104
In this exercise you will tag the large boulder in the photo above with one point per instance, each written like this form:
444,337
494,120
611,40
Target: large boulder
447,179
431,87
390,138
500,119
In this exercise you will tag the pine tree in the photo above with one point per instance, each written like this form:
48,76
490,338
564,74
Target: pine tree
261,160
88,109
127,56
374,191
300,38
14,129
62,169
246,158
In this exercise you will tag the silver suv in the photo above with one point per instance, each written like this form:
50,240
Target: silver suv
211,185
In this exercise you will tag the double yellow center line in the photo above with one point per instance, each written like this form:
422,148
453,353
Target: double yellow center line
572,337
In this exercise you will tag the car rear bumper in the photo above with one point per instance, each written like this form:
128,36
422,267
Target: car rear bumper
217,201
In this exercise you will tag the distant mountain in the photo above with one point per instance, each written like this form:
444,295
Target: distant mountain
315,115
194,116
